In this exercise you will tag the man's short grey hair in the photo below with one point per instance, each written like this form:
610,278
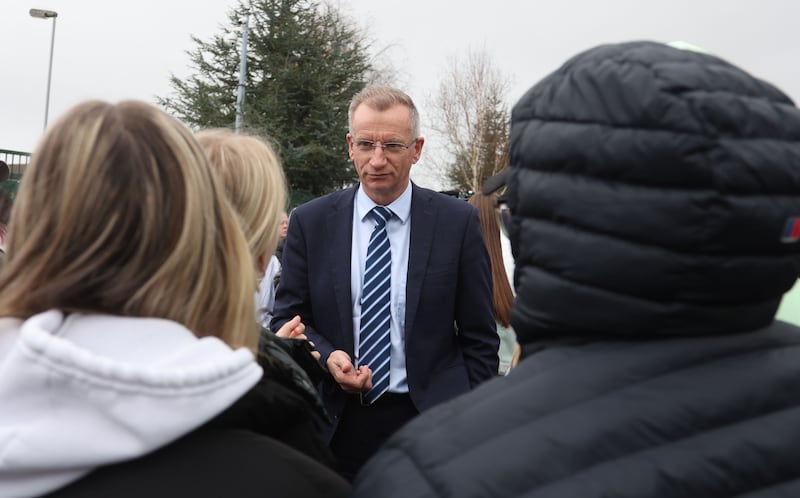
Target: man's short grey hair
381,98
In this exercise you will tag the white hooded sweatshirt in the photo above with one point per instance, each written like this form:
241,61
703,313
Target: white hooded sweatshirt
84,391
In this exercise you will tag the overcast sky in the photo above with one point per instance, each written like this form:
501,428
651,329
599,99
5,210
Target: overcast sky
117,50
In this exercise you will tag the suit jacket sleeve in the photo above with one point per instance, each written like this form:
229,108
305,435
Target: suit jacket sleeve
293,295
477,329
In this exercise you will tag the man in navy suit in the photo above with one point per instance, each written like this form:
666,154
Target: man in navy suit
442,328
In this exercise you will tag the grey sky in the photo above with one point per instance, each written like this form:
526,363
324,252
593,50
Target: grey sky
118,50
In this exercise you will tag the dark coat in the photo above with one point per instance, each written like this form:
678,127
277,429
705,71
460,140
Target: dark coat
290,363
264,445
650,189
709,417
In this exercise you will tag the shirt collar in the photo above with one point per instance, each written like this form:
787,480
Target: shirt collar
401,207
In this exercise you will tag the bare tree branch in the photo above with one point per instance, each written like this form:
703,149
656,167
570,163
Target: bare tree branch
470,114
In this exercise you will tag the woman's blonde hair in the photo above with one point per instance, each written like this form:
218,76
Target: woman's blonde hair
120,213
253,178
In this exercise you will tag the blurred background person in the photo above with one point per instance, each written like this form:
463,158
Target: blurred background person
128,331
5,214
272,274
488,213
283,229
255,185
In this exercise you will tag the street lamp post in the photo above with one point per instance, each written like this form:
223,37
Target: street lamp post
47,14
242,74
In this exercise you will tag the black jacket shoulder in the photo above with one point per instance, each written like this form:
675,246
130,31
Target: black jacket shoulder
213,462
265,444
690,417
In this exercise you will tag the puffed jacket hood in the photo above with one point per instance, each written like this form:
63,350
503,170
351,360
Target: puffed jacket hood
654,192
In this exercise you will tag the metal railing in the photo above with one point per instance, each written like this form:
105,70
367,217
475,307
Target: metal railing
15,163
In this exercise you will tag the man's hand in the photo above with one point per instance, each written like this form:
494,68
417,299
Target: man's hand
350,379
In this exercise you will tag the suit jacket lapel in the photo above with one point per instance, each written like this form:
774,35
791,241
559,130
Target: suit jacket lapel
340,240
423,223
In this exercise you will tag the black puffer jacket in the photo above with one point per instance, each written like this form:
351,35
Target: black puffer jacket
265,444
651,190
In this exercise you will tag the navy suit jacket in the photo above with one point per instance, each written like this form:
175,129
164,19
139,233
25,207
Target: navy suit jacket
451,339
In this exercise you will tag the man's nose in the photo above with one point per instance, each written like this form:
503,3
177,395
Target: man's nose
378,155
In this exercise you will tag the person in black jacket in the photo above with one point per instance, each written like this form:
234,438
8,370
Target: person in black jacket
655,199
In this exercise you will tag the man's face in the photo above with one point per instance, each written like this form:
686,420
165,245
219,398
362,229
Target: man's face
384,172
283,228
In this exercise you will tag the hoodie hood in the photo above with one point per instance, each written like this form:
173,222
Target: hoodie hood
84,391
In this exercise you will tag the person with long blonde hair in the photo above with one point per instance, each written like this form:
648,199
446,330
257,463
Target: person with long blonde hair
254,182
127,331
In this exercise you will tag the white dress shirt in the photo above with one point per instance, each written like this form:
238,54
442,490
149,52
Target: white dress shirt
398,228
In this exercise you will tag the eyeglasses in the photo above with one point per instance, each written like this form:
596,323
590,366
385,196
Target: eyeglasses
388,147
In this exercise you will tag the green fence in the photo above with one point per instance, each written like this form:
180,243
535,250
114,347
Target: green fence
12,166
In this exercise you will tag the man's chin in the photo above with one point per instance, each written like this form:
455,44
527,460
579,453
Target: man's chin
380,185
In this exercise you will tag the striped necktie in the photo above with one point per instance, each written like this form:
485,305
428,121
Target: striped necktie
374,336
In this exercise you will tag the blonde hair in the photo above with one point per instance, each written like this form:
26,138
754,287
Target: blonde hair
503,295
253,178
120,213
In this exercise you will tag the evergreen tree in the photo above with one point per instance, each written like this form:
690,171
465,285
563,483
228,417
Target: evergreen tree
304,63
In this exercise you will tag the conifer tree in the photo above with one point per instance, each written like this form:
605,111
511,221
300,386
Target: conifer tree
305,61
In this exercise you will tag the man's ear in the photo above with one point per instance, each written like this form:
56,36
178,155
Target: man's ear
350,146
418,148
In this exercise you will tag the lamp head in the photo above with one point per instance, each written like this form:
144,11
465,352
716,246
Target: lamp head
43,14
